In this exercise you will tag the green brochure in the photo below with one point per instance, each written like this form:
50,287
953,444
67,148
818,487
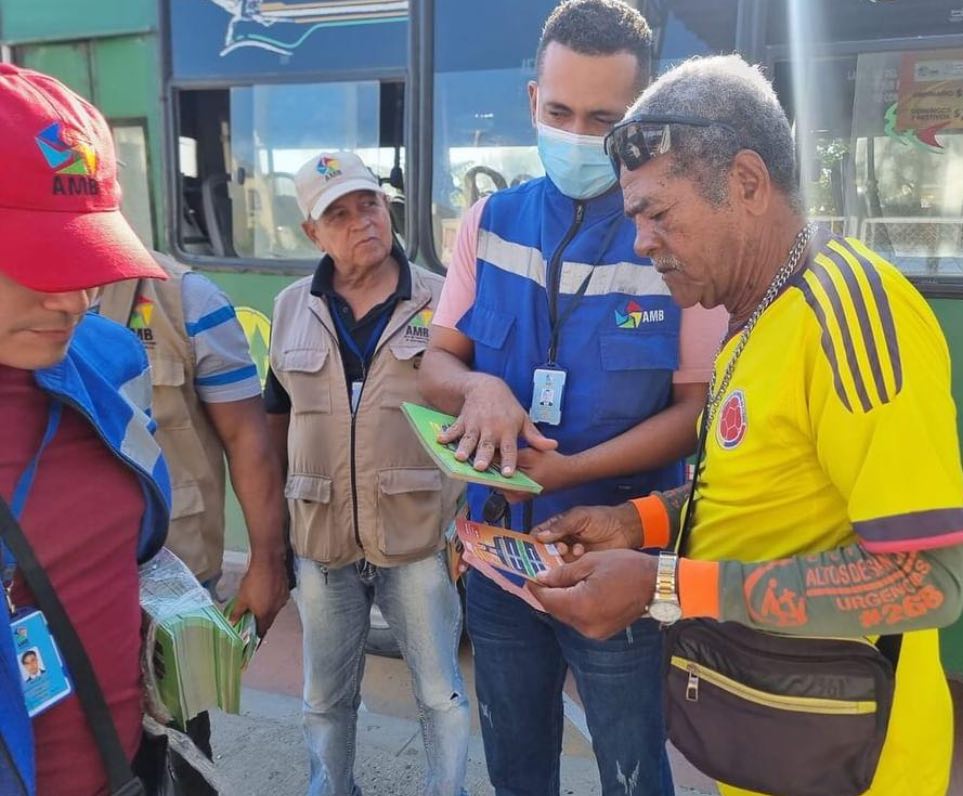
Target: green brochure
428,424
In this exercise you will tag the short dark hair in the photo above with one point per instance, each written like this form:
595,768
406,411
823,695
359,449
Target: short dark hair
598,27
29,654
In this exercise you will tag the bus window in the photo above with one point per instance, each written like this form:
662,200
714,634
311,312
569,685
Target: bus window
880,141
907,145
130,141
484,141
242,146
822,119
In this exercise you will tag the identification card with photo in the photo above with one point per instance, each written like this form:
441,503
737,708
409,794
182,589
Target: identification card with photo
548,389
42,671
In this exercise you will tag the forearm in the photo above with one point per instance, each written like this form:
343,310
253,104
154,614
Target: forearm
661,516
846,592
256,478
655,442
445,380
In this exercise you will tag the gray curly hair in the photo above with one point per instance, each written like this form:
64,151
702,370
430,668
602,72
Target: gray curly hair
726,89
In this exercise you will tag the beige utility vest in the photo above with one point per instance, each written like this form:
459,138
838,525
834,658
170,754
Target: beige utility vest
194,454
362,486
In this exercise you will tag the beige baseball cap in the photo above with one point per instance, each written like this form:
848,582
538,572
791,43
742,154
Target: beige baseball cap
327,177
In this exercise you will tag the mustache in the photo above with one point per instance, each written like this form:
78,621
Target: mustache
666,263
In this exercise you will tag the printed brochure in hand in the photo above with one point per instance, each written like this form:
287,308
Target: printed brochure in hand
507,558
428,424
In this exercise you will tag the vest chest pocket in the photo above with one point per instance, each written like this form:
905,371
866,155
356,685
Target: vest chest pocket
489,330
636,374
400,382
409,510
308,389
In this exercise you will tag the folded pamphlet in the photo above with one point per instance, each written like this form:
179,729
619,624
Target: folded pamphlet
506,557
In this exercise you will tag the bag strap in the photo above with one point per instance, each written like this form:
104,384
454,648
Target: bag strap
889,646
683,537
122,782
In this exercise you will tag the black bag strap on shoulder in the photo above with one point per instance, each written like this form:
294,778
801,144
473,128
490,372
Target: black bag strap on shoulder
121,780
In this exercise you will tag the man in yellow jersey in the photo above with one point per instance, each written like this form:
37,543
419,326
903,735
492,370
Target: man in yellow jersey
830,494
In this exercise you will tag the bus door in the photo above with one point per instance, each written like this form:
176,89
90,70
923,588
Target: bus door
258,89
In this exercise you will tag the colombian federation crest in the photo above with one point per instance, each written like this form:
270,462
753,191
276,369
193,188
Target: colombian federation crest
733,421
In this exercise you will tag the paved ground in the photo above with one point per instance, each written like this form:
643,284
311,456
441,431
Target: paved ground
261,752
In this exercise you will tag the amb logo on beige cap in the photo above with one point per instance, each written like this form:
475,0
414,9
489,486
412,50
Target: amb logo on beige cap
327,177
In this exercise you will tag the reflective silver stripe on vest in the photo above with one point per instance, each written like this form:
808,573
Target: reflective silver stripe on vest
632,279
138,443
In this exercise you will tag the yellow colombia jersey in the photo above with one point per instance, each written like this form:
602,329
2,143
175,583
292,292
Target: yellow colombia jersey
839,425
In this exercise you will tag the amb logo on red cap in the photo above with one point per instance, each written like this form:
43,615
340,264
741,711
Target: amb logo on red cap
73,161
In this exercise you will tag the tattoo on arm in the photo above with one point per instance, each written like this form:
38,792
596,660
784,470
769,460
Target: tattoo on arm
674,500
846,592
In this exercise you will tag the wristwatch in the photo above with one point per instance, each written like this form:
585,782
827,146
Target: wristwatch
665,607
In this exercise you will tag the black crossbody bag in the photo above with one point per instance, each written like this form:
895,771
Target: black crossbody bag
781,715
163,753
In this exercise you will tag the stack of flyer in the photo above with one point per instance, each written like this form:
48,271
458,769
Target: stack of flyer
197,655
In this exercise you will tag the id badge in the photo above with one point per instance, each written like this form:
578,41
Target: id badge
548,389
355,395
42,671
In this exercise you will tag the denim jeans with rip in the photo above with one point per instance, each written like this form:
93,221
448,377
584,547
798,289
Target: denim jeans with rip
421,605
522,657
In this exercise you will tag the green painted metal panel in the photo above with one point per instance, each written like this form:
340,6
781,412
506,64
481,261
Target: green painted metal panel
52,20
255,292
121,76
128,85
950,314
69,63
126,77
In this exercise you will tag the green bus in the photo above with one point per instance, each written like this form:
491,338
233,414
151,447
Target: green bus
215,103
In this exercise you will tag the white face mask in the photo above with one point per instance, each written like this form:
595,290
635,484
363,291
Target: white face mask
577,164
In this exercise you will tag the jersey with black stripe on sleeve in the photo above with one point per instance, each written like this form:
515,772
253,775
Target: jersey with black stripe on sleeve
838,429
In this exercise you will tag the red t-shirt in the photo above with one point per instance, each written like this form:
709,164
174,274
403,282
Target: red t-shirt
82,518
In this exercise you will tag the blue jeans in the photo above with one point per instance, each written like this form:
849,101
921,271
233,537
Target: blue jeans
521,659
421,605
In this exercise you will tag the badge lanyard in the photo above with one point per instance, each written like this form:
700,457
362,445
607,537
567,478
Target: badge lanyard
558,321
8,564
348,339
549,380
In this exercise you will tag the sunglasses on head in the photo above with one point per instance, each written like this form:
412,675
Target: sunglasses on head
635,141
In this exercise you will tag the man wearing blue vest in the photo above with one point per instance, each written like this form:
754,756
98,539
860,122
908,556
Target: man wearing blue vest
79,467
551,329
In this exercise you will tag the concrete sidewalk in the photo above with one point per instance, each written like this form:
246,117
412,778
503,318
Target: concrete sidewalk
261,753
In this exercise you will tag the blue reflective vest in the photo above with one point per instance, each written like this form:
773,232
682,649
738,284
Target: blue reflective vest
105,377
620,345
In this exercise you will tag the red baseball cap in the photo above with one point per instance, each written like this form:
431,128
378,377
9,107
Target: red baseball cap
60,219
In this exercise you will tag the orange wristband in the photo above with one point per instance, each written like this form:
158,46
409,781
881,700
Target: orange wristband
655,521
699,588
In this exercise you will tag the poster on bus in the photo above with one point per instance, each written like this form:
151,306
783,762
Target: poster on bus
930,92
